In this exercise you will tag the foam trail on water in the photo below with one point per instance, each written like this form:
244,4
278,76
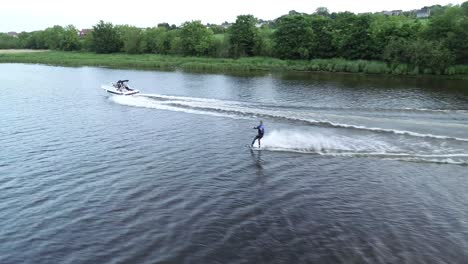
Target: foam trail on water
197,99
334,145
413,148
148,103
318,143
234,109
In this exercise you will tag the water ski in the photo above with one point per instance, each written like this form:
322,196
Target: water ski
254,147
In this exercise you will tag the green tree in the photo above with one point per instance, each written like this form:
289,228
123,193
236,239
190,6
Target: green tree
221,46
164,25
105,38
217,29
69,39
157,40
175,43
397,51
264,43
24,39
420,53
383,29
351,36
36,40
243,36
132,39
294,37
53,36
430,54
450,27
86,43
195,39
322,39
464,7
438,9
322,11
9,42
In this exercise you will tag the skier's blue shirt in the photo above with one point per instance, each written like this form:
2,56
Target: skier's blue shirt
261,130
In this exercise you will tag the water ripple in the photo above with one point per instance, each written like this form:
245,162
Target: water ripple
85,178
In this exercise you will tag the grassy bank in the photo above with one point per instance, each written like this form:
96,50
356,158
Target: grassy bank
153,61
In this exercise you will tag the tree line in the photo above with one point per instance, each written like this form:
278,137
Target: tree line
431,44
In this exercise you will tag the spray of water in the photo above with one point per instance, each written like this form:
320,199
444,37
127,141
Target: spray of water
375,142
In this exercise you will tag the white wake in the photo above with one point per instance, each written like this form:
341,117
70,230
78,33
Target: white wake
336,145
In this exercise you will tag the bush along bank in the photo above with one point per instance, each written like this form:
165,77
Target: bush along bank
171,62
410,45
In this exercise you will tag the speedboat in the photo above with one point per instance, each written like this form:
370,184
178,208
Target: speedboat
120,88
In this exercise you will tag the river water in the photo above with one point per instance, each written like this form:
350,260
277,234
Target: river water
352,169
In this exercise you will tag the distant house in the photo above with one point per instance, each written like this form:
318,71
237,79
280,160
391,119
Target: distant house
293,12
13,34
84,32
262,23
226,25
423,13
392,13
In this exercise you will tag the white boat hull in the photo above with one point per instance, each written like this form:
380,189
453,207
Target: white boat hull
112,90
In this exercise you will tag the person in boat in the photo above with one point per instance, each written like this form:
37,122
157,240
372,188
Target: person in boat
118,85
121,85
261,131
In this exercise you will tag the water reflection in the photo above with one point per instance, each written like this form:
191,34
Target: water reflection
257,159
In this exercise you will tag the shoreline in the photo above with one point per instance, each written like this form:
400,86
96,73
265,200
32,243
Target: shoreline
15,51
207,64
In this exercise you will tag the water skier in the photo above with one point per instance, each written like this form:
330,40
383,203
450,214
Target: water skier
261,132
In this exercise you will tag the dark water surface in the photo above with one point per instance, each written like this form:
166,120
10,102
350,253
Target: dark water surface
354,169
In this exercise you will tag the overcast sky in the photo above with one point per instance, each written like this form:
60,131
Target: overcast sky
21,15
